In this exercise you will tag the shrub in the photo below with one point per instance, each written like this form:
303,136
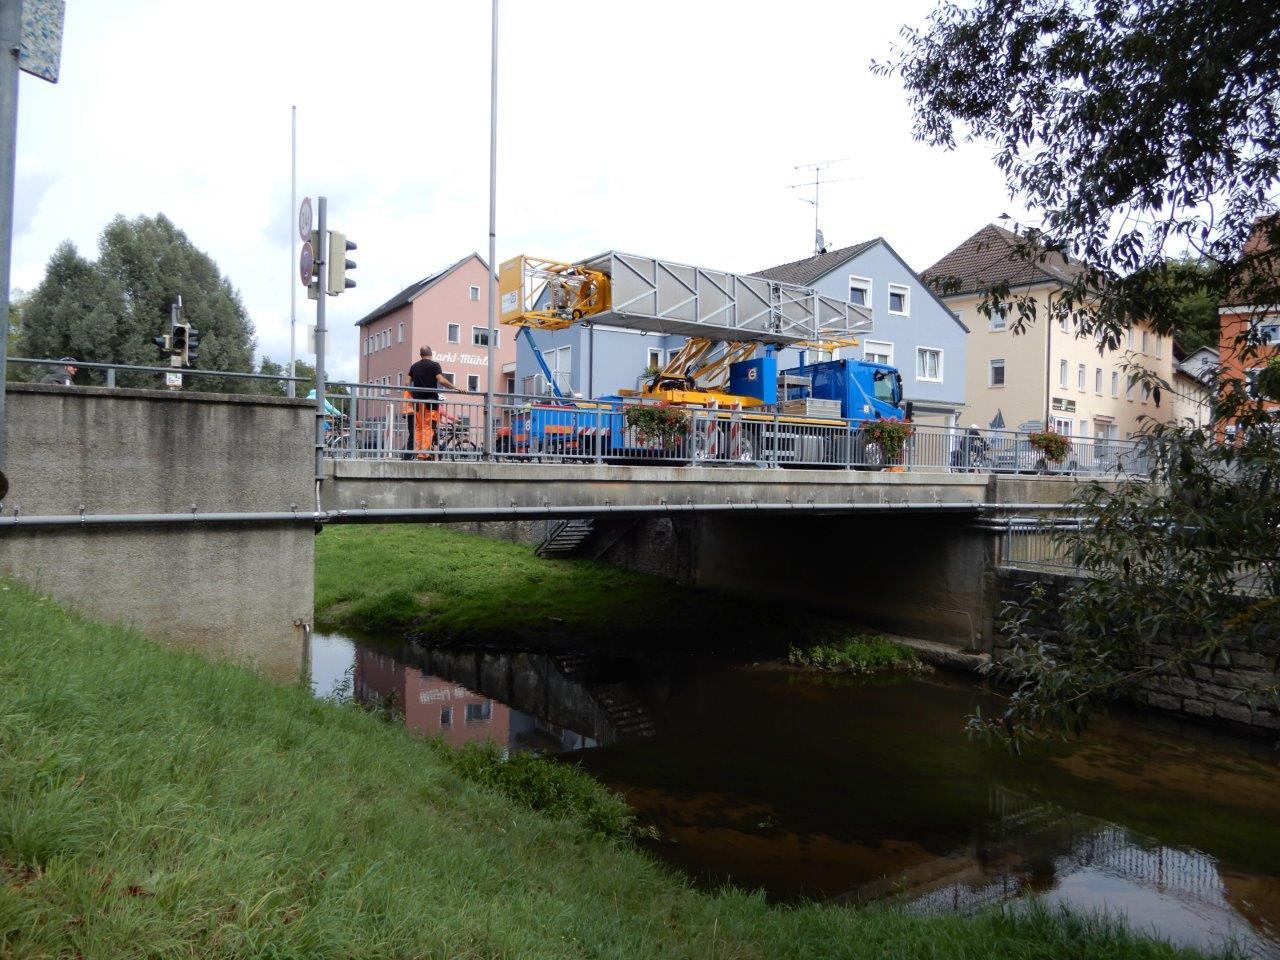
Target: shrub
557,789
658,424
858,654
891,434
1052,444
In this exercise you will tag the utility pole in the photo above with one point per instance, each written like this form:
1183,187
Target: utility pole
819,244
321,261
493,206
10,51
293,250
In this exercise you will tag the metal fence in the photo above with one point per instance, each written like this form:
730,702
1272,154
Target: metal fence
156,374
1035,544
380,422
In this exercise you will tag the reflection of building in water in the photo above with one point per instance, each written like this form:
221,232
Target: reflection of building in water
430,705
1039,847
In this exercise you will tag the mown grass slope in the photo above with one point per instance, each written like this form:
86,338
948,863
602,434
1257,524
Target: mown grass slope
153,804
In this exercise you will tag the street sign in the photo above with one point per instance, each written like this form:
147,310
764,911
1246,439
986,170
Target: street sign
307,264
311,338
173,380
304,219
42,38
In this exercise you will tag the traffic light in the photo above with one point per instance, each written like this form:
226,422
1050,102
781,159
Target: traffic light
178,341
193,341
163,343
339,264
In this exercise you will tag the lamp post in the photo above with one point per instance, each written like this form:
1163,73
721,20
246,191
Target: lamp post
493,266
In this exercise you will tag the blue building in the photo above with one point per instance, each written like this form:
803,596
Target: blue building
913,330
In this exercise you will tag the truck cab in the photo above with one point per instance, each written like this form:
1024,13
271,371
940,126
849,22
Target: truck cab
866,391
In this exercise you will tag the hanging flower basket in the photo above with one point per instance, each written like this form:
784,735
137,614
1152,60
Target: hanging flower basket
1052,444
658,425
891,434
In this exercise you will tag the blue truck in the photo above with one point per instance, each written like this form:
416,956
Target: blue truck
811,415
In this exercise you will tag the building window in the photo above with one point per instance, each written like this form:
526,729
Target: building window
899,300
996,377
455,333
446,716
876,352
655,359
399,379
400,332
1062,425
559,362
448,376
1097,381
475,292
1128,389
479,712
1159,346
1251,381
1080,374
1144,341
997,322
1146,392
1062,374
473,382
1269,332
860,291
1115,384
1130,338
479,336
1062,324
928,364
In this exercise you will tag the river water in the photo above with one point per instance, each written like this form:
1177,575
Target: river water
847,790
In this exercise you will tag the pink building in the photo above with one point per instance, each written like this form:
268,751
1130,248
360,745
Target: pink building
447,311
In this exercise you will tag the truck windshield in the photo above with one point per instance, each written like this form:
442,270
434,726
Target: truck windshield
886,387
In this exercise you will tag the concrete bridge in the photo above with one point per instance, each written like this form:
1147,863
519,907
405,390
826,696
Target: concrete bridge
194,516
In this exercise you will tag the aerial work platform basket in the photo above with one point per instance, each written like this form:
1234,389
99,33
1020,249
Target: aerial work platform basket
660,296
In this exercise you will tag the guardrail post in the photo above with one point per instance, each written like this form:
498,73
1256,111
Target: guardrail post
111,377
353,410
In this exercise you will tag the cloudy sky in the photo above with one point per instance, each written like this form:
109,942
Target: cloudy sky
657,127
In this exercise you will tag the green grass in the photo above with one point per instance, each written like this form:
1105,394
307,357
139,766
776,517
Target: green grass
863,653
156,805
453,586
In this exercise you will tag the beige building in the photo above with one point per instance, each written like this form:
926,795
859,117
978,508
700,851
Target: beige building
1192,376
1048,372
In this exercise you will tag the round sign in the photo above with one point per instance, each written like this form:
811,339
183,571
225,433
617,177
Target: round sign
304,219
307,264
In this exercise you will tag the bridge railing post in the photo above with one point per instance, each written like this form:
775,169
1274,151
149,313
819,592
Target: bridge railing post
777,438
353,410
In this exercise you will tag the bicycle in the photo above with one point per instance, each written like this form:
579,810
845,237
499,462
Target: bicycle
453,439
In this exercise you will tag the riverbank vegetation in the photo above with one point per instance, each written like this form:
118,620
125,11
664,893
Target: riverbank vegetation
446,585
863,653
154,804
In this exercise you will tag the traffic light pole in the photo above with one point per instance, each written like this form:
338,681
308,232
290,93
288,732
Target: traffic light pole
321,253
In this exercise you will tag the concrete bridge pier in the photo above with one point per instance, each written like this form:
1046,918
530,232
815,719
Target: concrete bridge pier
237,591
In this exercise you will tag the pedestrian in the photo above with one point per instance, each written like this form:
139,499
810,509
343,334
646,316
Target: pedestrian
425,376
63,374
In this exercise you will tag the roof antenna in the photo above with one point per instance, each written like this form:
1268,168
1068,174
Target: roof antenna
819,243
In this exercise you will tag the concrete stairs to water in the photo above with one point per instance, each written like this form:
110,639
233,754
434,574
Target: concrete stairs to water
565,538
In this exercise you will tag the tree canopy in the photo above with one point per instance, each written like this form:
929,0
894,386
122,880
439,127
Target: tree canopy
1145,137
107,311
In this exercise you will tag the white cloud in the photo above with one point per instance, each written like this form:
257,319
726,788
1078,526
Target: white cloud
667,128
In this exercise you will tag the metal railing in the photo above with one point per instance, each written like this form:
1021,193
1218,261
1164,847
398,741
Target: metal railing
380,422
1034,543
110,371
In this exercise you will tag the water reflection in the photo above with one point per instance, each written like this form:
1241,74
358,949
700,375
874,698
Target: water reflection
854,791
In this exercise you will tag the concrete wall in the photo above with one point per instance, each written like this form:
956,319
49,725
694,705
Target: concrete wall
230,591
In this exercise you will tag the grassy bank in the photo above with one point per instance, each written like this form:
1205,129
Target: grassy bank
153,804
449,585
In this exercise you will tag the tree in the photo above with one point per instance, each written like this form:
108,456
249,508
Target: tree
1134,129
108,311
77,312
154,263
302,369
